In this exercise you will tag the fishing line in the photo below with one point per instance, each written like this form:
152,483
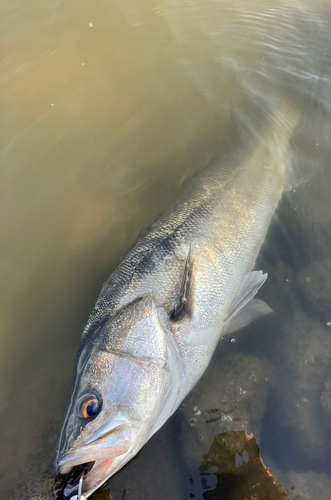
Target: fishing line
79,495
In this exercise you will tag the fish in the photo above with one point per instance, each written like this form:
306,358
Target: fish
187,281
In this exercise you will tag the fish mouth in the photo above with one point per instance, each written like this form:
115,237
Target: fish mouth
94,461
92,475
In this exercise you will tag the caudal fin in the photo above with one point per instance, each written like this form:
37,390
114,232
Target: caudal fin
287,121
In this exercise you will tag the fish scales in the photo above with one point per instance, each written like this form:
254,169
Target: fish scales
226,209
186,282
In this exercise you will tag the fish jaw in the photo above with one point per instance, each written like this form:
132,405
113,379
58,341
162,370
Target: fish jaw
102,458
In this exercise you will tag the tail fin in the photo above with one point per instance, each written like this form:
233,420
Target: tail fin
287,122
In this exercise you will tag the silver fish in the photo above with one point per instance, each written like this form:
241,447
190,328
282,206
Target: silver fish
185,283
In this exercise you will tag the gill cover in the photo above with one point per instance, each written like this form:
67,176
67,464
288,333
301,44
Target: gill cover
117,371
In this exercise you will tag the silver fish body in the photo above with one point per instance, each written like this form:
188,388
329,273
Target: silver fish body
159,316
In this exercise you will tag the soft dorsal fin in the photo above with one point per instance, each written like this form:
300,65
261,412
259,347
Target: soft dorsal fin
185,303
243,309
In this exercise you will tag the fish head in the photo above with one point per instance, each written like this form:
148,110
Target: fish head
123,392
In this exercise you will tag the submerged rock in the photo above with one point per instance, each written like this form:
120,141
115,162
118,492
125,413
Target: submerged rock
304,356
310,485
231,397
314,283
326,399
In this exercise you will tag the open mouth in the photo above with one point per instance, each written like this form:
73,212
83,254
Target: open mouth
77,474
91,475
91,464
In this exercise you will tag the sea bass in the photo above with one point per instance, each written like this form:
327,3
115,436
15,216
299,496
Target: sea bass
185,283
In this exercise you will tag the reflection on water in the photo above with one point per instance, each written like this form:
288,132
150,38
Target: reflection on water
101,127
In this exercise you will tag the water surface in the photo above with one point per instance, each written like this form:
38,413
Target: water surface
108,108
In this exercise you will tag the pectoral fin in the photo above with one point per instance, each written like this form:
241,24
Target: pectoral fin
186,299
253,310
244,309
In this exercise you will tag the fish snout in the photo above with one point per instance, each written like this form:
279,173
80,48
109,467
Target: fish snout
93,460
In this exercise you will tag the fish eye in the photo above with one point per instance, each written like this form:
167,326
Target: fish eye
88,406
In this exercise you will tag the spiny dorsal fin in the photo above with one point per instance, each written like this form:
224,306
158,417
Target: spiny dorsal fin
185,303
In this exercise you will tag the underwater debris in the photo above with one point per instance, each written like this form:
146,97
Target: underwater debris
244,479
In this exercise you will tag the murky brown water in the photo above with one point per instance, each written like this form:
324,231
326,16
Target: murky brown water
108,107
